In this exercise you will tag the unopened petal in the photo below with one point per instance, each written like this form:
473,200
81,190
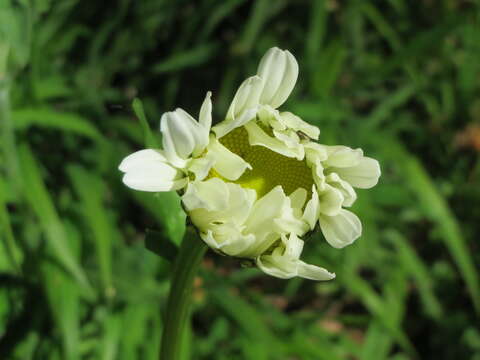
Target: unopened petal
246,97
205,116
279,71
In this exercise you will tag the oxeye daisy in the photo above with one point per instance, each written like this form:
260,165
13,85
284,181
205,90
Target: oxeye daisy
258,181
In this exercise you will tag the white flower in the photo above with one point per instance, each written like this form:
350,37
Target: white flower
259,181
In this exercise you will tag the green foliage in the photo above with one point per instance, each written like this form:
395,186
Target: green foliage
396,78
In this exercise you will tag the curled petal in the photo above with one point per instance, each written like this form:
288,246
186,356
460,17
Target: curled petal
363,175
340,156
331,200
279,71
228,203
205,116
183,135
284,262
271,216
312,209
200,167
246,97
228,239
342,229
344,187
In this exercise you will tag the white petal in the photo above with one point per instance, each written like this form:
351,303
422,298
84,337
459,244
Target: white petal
342,156
364,175
315,152
256,136
227,125
177,139
284,262
141,158
227,164
209,195
293,246
313,272
261,220
279,70
204,124
277,267
183,129
153,179
331,200
238,201
296,123
312,209
205,116
200,166
349,195
146,170
228,240
298,198
246,97
341,230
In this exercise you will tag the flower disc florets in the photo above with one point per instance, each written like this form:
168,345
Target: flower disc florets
258,181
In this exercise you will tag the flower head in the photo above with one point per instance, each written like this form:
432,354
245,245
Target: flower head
258,181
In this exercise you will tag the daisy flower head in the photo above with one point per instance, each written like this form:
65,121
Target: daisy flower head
258,181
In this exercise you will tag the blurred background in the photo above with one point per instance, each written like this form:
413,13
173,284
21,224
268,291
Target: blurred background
398,78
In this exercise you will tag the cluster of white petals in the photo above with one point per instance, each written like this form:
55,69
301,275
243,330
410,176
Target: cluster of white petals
258,181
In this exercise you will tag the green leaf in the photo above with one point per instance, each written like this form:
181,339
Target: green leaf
91,189
43,206
45,117
149,139
437,209
187,58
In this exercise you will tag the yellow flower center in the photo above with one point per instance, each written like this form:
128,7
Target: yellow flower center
269,168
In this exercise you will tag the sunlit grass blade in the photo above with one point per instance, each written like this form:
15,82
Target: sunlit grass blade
91,189
437,209
149,139
11,248
187,58
249,321
418,270
43,206
45,117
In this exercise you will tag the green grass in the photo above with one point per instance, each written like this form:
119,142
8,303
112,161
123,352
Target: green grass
83,85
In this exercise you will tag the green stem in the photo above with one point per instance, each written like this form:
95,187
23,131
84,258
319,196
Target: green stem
186,265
